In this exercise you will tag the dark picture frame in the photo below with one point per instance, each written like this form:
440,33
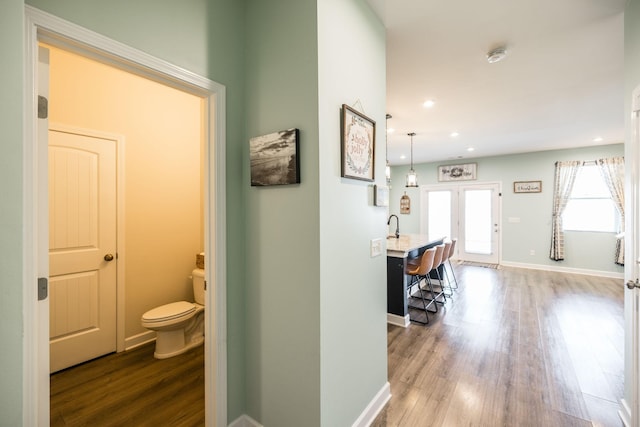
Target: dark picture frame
460,172
527,187
357,145
275,158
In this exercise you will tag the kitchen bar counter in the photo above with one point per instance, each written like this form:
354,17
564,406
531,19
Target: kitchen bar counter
407,243
407,246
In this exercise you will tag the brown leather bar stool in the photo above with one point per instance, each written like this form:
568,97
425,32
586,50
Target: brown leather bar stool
452,250
418,273
435,270
445,276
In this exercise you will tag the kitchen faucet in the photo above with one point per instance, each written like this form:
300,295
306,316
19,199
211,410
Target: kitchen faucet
397,225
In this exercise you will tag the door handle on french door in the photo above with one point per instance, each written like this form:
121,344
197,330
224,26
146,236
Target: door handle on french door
633,284
108,257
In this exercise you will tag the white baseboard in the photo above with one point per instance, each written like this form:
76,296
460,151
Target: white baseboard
598,273
374,407
138,340
625,413
245,421
394,319
364,420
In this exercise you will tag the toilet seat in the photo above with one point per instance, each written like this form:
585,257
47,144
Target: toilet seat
172,311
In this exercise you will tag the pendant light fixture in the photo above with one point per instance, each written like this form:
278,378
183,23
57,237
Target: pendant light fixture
412,176
387,171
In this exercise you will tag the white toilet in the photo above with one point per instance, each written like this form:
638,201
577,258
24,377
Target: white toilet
179,326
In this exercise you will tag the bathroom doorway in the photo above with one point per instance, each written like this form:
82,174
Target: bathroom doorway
160,198
42,27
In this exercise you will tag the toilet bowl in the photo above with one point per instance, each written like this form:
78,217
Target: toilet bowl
179,326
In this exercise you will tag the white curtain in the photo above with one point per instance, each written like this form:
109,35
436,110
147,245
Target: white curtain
565,176
612,171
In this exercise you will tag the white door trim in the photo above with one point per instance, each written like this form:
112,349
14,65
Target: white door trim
41,26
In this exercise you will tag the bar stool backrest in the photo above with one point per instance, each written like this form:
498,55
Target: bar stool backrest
437,259
426,262
453,248
447,252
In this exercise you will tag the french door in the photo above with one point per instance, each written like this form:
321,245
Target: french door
468,212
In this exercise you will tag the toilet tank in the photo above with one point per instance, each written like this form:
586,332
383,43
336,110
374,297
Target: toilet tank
198,285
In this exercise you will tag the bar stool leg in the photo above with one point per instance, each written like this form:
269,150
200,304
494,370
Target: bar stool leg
455,280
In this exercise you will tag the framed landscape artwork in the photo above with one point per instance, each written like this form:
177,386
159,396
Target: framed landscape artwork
357,143
275,159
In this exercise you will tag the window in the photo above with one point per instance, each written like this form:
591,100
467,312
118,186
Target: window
590,207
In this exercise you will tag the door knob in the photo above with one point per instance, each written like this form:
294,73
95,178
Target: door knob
633,284
108,257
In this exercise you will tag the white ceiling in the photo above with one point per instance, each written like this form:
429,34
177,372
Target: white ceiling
560,86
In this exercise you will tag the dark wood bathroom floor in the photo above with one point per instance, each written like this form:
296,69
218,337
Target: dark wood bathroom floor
131,389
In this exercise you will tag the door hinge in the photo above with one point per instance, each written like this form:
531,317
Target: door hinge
205,285
43,107
43,288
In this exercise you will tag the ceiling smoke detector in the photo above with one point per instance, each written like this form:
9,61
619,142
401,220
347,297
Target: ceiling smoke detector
496,55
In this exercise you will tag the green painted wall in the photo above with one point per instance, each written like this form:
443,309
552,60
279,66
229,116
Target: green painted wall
314,357
631,81
298,256
352,66
11,84
582,250
283,273
206,37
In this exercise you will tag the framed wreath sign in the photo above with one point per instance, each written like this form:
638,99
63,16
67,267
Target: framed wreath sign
358,141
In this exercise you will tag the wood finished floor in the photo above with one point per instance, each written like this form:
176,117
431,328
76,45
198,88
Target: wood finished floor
131,389
514,347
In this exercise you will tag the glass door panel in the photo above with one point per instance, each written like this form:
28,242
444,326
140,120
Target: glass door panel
439,218
477,222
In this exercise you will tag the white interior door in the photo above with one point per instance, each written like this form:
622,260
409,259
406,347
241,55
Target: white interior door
468,212
82,248
630,405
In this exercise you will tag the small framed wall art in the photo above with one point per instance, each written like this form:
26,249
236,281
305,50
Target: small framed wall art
527,187
380,195
463,172
275,158
357,143
405,204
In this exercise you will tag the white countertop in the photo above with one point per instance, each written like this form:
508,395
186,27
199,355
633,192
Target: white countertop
400,247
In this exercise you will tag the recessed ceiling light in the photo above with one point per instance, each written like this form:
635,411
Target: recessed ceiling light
454,134
470,149
390,130
597,139
429,103
403,157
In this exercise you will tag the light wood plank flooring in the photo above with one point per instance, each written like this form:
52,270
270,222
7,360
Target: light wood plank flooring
131,389
513,347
